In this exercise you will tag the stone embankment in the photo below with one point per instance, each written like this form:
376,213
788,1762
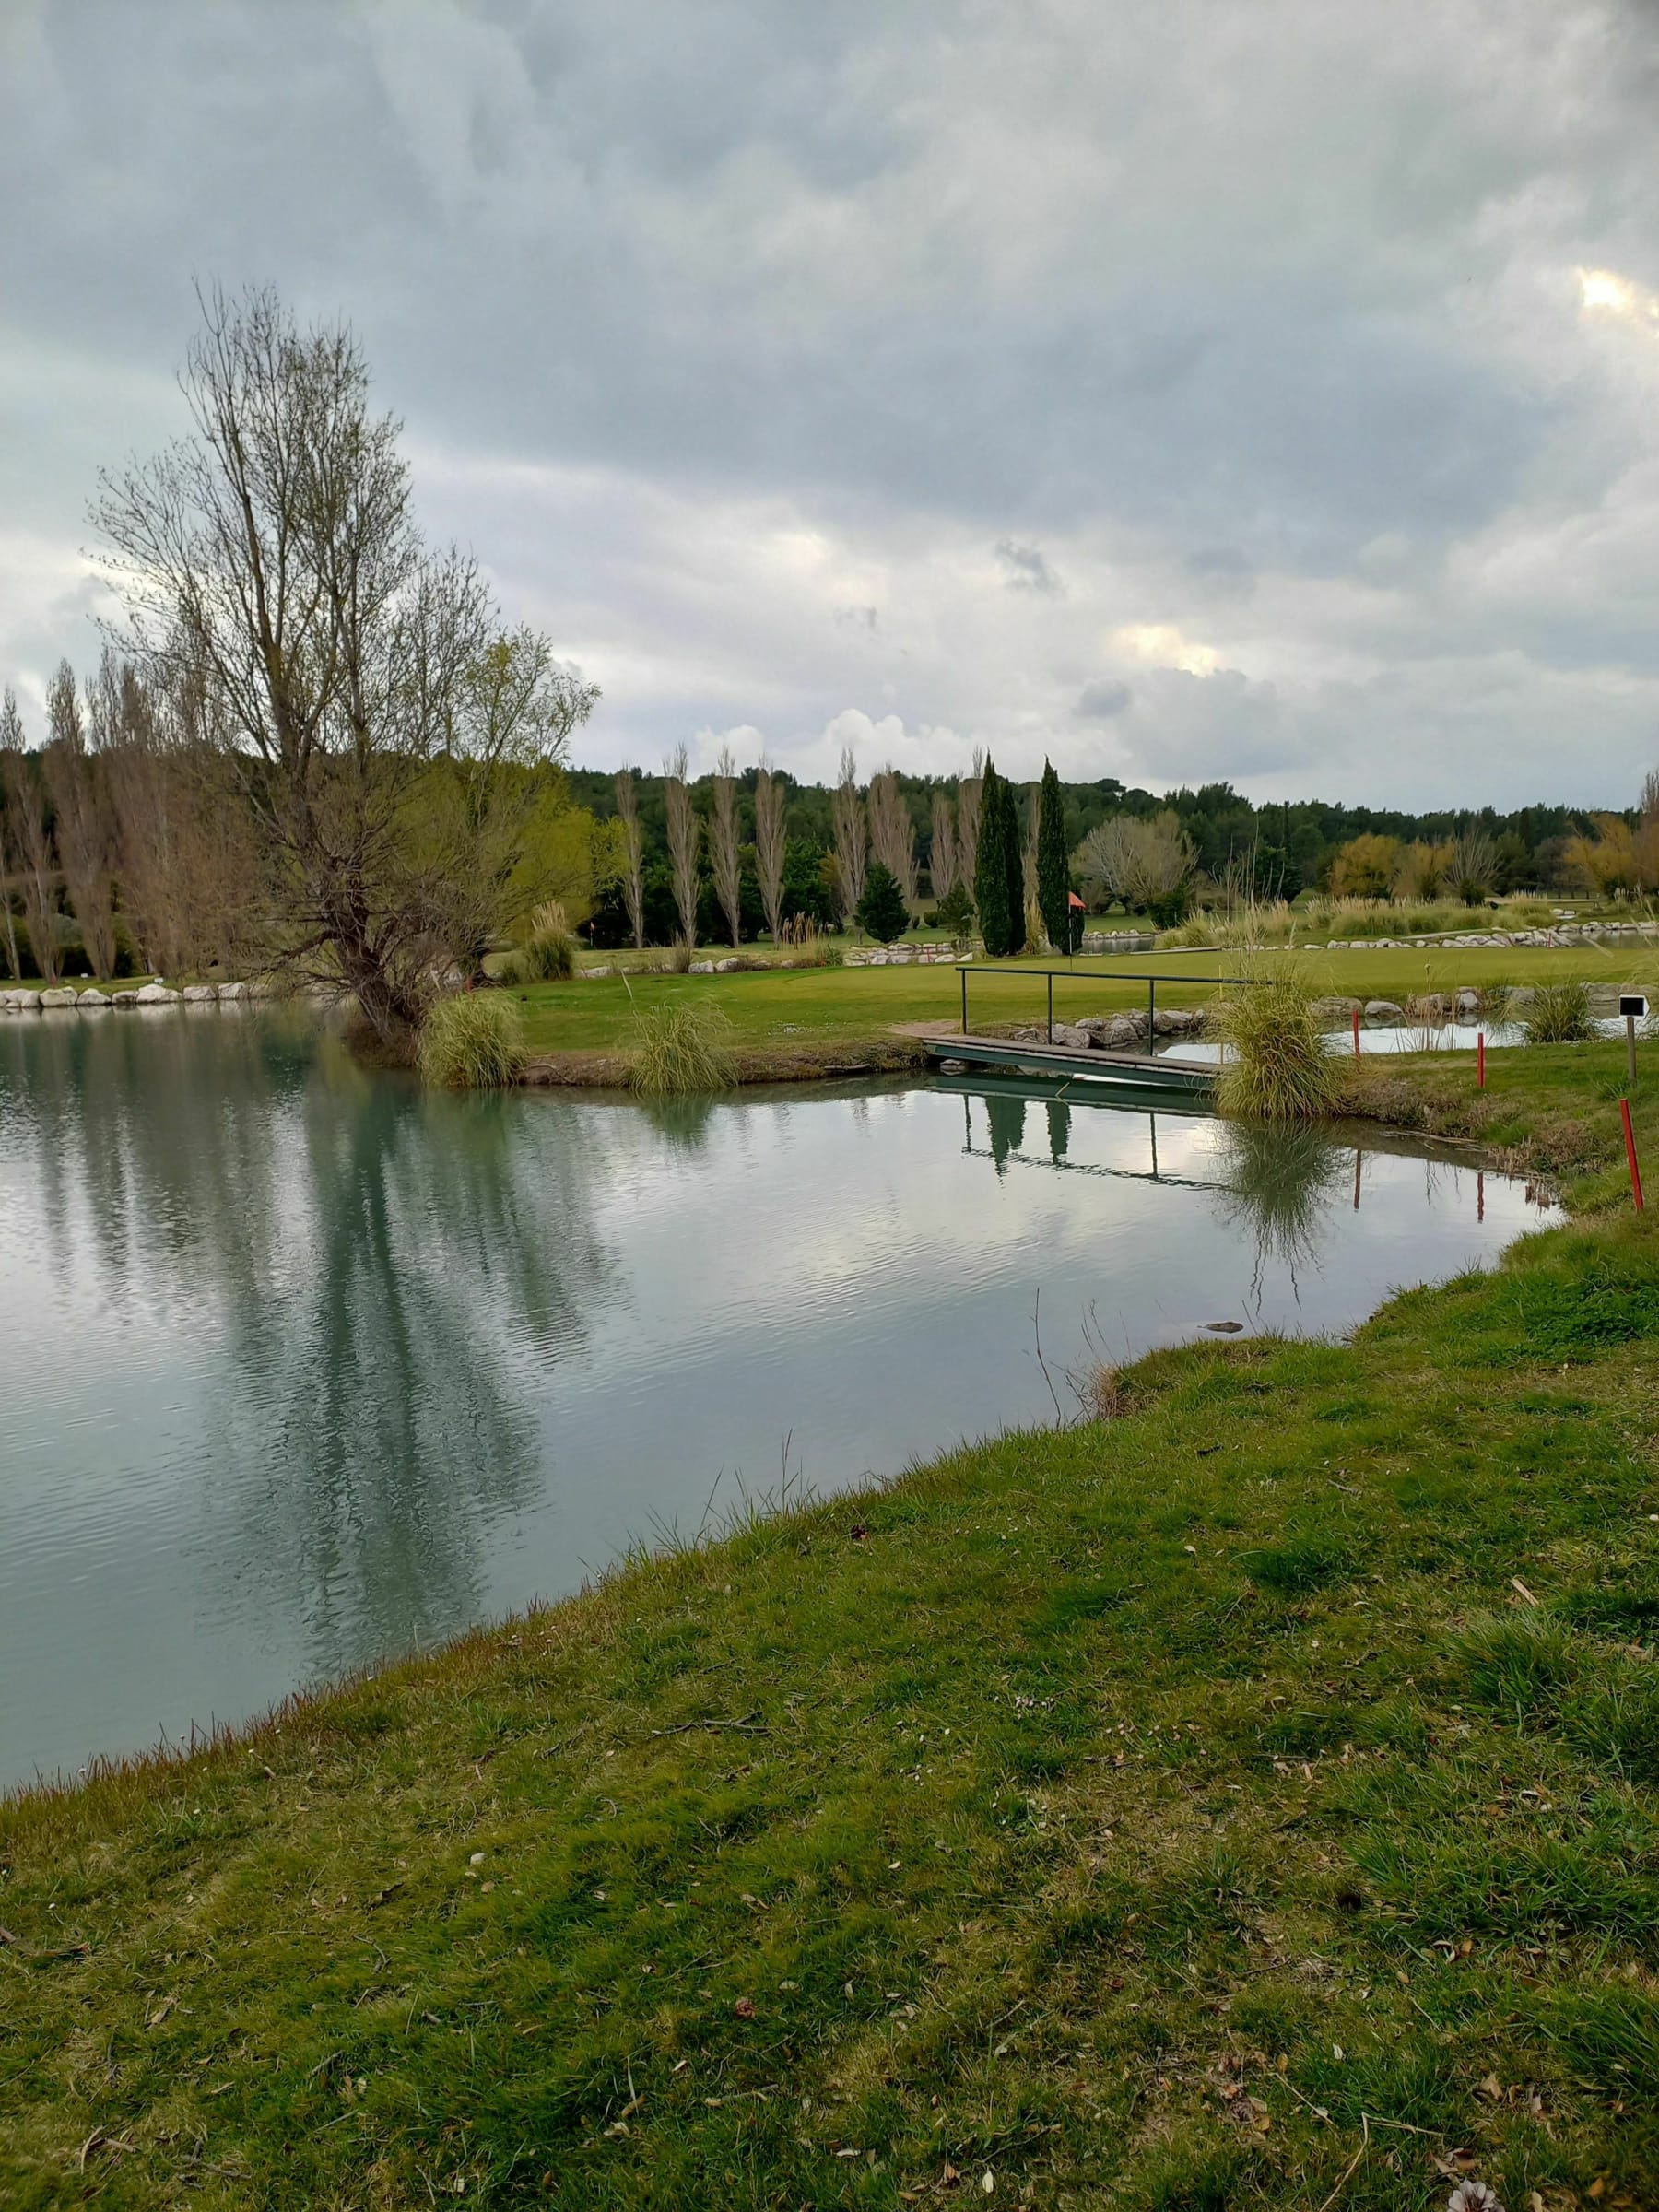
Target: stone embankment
1117,1032
93,1001
1560,932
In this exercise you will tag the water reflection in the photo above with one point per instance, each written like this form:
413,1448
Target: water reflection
1279,1183
369,1266
300,1364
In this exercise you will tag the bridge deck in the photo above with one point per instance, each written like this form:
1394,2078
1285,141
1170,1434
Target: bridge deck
1146,1070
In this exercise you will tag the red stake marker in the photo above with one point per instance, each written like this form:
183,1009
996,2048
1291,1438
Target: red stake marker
1480,1060
1624,1108
1356,1032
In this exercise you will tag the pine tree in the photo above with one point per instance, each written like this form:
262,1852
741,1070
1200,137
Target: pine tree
990,884
1014,868
882,912
1052,884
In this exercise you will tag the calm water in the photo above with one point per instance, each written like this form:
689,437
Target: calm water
300,1366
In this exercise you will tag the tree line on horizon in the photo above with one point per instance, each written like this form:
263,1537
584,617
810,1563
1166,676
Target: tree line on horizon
810,842
128,842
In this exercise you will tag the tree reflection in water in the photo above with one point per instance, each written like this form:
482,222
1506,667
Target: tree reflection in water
1006,1115
1280,1178
387,1265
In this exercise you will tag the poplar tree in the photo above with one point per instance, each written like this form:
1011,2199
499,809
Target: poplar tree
1052,886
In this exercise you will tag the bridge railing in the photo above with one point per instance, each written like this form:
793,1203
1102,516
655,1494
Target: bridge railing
1103,975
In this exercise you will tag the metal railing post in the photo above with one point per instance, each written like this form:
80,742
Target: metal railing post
964,1002
1051,1020
1151,1012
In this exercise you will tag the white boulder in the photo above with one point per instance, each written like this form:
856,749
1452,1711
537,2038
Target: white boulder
62,996
156,995
201,994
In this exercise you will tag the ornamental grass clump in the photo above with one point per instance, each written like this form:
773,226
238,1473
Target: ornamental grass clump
548,953
470,1041
1275,1067
1557,1014
679,1049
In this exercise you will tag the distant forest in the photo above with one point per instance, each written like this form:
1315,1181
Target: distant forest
1292,845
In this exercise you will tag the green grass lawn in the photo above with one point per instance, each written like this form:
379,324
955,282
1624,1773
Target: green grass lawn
1246,1801
780,1007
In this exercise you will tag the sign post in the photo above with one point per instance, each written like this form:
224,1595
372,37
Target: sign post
1633,1006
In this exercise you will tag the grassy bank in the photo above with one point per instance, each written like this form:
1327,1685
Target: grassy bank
779,1017
1247,1800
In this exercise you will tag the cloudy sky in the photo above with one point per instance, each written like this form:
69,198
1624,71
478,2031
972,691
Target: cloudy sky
1178,388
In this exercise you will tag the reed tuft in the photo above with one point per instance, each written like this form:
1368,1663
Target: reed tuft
548,953
1276,1066
1557,1014
470,1041
680,1049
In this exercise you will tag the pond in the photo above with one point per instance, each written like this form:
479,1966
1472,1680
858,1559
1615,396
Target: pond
300,1365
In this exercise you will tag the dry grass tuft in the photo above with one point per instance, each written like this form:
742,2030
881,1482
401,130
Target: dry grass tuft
1277,1068
1557,1014
680,1049
472,1041
548,953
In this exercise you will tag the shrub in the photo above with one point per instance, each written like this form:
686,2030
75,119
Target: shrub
882,912
1557,1014
548,953
470,1041
679,1048
954,912
1277,1068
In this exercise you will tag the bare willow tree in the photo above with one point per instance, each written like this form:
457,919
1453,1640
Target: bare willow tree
84,835
633,853
685,833
186,855
942,859
892,836
11,856
724,854
384,734
1146,863
769,843
847,816
969,791
26,810
1472,864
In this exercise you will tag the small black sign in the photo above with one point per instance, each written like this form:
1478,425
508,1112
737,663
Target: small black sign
1633,1003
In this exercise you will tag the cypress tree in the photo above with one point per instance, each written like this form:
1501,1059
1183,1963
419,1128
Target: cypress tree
1014,868
1052,884
991,875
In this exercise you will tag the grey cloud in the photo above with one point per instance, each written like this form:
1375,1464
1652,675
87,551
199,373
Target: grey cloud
1027,569
1289,362
1104,701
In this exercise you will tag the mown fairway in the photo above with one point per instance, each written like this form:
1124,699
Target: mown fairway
1195,1808
794,1005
